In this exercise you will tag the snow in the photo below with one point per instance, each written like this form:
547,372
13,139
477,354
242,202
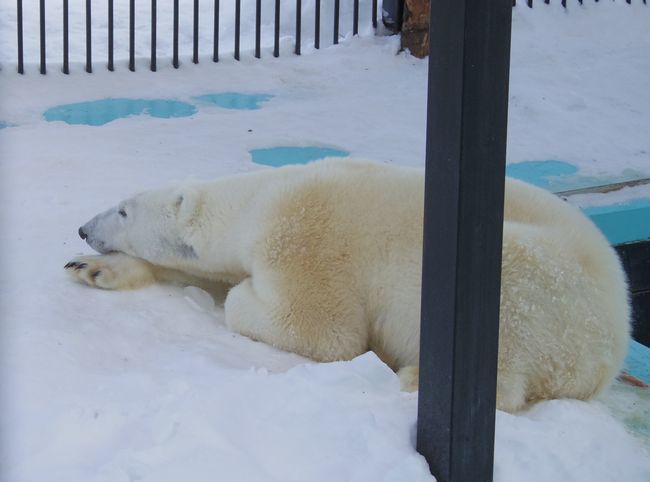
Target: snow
149,385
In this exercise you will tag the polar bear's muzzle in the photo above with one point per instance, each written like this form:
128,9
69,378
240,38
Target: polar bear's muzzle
97,245
99,233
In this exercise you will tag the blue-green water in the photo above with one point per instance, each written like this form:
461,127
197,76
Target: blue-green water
103,111
551,175
284,155
4,124
236,100
623,223
620,223
100,112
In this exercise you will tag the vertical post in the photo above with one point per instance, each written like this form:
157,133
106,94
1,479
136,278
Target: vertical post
19,30
215,34
463,223
131,35
237,27
110,35
154,22
66,39
317,25
195,33
175,36
89,38
298,25
42,35
258,28
355,18
374,13
276,33
337,8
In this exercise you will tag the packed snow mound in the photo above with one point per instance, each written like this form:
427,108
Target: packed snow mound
338,421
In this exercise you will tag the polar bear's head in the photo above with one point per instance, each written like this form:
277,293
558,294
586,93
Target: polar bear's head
148,226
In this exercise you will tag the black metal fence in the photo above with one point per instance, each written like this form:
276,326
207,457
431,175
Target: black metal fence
529,3
175,33
152,21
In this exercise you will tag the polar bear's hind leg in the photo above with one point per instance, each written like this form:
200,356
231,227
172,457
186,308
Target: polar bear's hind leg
295,324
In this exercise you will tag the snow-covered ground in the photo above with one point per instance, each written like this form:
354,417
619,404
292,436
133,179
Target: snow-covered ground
149,385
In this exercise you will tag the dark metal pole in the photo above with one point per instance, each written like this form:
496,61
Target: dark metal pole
110,35
374,13
237,27
89,38
276,34
215,35
19,30
463,223
132,35
175,36
66,39
195,31
355,21
258,28
317,25
298,25
153,34
42,36
337,7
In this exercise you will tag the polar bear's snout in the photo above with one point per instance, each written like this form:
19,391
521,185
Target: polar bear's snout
100,232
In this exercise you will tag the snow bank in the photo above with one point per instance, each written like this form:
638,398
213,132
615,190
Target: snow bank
341,421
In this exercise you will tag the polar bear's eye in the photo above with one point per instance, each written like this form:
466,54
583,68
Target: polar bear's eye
122,213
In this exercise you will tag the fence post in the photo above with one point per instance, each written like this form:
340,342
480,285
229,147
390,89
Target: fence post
43,68
111,66
19,31
466,142
132,35
89,39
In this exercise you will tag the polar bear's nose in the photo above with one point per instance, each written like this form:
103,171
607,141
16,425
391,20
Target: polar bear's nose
82,234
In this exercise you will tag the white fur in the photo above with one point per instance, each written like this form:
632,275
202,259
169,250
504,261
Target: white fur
325,260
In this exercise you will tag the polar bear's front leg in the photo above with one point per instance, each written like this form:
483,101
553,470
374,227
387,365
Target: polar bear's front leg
115,271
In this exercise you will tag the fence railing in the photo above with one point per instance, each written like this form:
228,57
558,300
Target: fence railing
62,26
529,3
153,31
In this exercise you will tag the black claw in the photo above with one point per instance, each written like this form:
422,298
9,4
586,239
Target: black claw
81,266
70,265
96,274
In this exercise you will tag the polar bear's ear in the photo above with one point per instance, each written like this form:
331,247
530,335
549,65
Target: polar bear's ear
187,203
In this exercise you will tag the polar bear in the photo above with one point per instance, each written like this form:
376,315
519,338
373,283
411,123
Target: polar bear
324,260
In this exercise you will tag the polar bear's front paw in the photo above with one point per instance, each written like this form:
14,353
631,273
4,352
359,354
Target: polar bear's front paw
111,271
